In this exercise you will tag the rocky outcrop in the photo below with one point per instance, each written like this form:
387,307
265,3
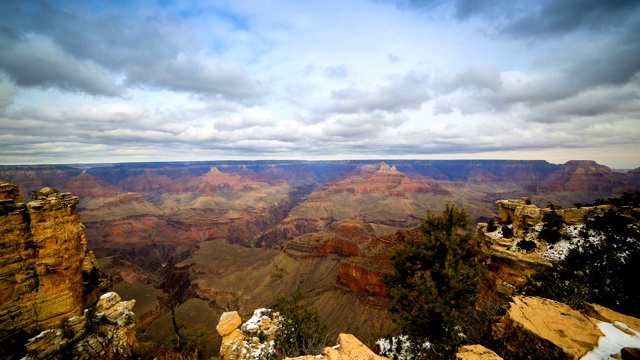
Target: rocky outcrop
537,328
508,269
90,186
582,176
42,252
364,275
348,348
106,331
382,179
253,340
519,212
476,352
524,214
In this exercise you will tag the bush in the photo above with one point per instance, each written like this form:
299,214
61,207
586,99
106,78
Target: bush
553,223
301,331
491,226
507,232
526,245
435,282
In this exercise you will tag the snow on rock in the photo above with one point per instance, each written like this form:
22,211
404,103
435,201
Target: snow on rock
252,340
398,347
616,336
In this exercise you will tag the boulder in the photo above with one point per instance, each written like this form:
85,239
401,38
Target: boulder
229,321
630,353
348,348
537,328
476,352
253,340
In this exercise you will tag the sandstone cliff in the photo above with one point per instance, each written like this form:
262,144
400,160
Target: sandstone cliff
106,331
41,257
43,253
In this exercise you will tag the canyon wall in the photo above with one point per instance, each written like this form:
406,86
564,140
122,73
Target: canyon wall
42,252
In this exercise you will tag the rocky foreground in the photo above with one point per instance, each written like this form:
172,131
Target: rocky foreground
531,328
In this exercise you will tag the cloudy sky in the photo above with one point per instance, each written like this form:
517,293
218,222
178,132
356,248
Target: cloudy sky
121,81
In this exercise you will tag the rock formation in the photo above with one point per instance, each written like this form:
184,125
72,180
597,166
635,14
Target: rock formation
348,347
581,175
43,258
42,251
509,266
537,328
106,331
476,352
253,340
90,186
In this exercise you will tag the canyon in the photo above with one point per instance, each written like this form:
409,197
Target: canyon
234,236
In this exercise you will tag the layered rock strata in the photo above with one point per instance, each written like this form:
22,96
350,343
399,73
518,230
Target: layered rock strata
42,252
104,332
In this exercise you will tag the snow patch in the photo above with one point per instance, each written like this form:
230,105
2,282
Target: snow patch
616,336
398,347
253,324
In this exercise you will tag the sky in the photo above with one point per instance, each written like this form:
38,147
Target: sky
129,81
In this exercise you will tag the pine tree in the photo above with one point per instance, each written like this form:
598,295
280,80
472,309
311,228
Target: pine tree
602,268
553,223
435,281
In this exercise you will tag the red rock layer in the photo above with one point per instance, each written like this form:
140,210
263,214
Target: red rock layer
380,178
364,275
582,176
86,185
149,180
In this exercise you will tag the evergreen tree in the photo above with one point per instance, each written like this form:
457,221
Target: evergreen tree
507,232
435,281
602,268
553,223
491,226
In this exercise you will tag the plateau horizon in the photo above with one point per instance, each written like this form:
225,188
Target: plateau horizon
389,161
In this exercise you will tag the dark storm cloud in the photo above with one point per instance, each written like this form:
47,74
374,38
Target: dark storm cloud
553,78
37,61
528,19
559,17
80,43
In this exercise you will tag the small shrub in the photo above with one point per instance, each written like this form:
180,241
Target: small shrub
491,226
301,331
553,223
526,245
507,232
